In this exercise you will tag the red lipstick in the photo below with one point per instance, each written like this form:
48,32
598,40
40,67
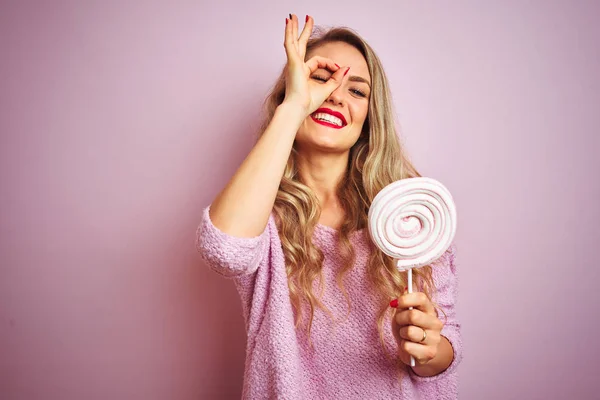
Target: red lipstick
332,113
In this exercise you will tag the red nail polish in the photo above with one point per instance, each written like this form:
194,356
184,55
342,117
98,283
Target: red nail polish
394,303
307,18
286,21
347,71
337,65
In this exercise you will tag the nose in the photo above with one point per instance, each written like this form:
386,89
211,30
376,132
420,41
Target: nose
336,97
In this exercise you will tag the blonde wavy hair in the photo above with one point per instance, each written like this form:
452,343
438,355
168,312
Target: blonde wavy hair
376,160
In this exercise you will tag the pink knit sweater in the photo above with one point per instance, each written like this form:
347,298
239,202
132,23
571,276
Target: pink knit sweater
346,360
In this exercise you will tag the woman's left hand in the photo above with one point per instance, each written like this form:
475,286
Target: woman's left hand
417,331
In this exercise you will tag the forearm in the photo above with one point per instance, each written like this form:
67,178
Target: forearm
439,363
243,207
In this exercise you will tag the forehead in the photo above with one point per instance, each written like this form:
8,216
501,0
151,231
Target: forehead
344,55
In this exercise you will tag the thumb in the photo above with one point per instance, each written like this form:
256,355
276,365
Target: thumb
335,81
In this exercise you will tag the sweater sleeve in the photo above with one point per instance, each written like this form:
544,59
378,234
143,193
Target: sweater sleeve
446,281
228,255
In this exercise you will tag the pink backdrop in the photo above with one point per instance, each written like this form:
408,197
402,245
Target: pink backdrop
119,123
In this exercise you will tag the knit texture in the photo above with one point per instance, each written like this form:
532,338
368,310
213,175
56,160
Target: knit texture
346,359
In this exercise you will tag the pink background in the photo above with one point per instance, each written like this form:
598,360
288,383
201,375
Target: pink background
119,123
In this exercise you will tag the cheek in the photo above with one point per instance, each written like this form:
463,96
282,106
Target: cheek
359,113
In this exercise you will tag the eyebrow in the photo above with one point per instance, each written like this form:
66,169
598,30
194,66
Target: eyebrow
354,78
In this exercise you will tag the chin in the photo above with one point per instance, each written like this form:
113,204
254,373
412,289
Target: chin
329,142
322,146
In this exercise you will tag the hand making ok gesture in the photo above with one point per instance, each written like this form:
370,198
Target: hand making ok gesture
300,89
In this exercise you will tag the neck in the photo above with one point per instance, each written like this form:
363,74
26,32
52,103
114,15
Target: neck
323,172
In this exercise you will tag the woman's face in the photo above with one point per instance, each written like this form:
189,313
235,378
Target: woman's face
321,130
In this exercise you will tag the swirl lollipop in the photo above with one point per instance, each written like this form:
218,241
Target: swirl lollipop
413,221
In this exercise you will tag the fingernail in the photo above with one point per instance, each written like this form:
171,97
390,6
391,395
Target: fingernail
286,21
394,303
307,18
337,65
347,71
290,16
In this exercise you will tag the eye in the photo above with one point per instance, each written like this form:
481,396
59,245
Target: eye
319,78
358,92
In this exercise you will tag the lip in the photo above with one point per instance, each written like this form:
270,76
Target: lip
330,112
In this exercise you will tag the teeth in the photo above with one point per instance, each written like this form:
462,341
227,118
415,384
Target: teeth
329,118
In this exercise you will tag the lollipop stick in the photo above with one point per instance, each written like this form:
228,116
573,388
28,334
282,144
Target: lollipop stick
409,279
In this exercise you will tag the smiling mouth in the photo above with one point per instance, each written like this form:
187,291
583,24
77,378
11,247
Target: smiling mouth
326,117
327,122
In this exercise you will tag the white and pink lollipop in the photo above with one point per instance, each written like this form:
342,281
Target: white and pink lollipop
413,220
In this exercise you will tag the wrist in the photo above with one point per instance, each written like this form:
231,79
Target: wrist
291,112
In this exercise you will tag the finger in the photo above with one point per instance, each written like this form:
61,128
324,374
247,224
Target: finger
294,19
317,62
421,353
418,318
416,334
404,356
289,43
323,91
417,300
336,79
287,39
305,35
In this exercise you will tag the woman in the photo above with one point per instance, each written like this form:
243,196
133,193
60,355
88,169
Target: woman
289,228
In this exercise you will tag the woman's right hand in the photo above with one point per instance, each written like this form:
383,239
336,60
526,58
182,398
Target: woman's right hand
300,89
